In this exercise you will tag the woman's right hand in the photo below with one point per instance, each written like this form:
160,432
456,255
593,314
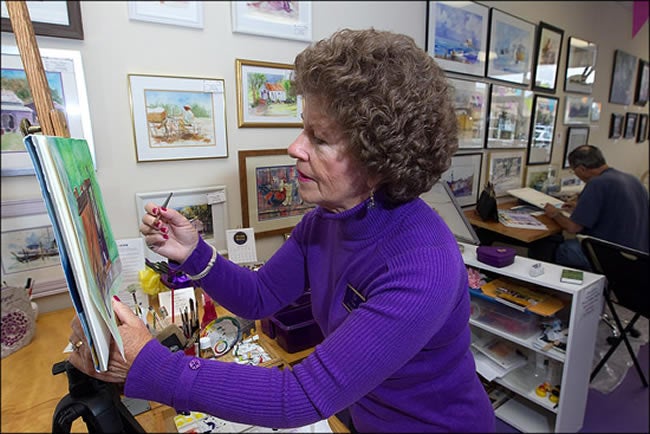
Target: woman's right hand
172,235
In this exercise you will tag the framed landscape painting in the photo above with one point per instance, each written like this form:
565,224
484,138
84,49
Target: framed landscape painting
576,136
580,66
511,48
577,109
620,91
538,177
506,171
464,177
543,130
470,103
457,35
549,49
509,117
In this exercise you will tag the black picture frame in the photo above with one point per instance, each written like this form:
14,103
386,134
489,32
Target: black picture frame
580,71
630,125
616,126
547,57
575,137
642,83
542,129
73,30
642,132
620,89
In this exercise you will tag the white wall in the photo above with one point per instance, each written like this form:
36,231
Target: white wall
113,46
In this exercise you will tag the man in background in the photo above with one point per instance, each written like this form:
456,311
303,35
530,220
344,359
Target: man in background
613,206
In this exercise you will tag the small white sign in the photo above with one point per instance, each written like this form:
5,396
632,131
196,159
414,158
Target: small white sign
241,245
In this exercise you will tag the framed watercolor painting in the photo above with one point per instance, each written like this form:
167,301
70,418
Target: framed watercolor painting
264,97
509,117
547,57
178,118
629,131
205,207
596,110
616,126
456,35
65,76
470,103
542,136
464,177
576,136
620,90
580,66
185,13
577,109
29,247
642,133
270,201
506,171
285,19
511,48
642,82
541,177
60,19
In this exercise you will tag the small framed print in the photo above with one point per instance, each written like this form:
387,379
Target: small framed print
542,136
549,49
577,109
205,207
270,200
509,117
285,20
537,177
263,99
620,90
642,133
580,66
464,177
506,171
616,126
511,48
470,103
576,136
178,118
457,35
59,19
177,13
642,83
630,125
596,109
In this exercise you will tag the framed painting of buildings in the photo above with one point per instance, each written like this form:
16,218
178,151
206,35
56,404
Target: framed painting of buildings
470,103
542,136
464,177
509,117
264,97
65,76
457,35
178,118
506,171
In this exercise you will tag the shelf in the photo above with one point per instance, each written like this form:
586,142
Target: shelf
525,416
519,382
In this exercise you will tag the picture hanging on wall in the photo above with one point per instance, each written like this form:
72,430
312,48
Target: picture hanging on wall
630,125
577,109
576,136
616,126
506,171
270,200
620,91
596,109
457,35
464,177
580,66
642,82
511,48
642,133
178,118
538,177
509,117
185,13
285,19
263,96
65,76
549,49
59,19
470,103
543,134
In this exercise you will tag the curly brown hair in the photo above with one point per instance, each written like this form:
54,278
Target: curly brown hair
392,101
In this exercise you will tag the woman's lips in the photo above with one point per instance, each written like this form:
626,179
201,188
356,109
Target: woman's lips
302,177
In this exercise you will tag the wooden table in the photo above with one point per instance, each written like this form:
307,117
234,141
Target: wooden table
30,392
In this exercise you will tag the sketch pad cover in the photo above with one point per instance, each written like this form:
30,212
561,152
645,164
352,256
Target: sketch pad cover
89,253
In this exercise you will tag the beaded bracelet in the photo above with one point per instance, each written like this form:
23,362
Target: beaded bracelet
208,267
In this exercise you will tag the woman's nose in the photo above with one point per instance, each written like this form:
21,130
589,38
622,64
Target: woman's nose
297,148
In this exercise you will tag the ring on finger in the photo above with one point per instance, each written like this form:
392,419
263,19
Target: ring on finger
78,344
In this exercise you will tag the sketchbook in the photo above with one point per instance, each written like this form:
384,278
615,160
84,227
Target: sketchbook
534,197
88,251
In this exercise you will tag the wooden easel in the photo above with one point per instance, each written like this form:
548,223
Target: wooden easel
52,122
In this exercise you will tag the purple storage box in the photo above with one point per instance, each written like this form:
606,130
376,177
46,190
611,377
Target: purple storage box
267,325
497,256
296,329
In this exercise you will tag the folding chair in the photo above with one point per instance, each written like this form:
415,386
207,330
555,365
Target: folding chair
626,272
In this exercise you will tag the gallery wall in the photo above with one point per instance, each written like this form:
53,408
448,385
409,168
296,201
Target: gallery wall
115,46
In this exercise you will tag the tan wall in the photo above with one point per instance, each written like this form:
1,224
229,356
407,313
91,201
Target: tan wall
113,46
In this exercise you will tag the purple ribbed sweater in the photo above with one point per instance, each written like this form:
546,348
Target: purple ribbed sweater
400,361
